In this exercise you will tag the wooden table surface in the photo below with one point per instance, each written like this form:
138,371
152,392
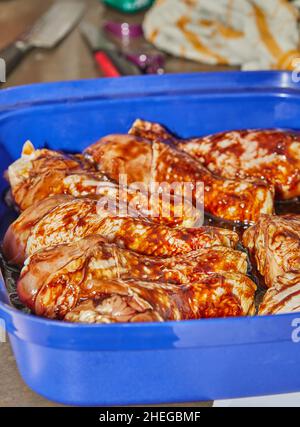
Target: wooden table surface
70,60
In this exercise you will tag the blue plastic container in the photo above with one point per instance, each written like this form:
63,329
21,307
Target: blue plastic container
154,362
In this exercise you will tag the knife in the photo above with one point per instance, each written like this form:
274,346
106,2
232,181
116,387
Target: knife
50,28
108,59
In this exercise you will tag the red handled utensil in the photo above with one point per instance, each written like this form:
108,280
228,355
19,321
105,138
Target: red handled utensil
109,61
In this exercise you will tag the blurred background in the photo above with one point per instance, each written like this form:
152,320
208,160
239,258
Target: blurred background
93,38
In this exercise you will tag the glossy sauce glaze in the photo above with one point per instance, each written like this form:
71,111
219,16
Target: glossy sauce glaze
143,157
270,155
11,272
281,208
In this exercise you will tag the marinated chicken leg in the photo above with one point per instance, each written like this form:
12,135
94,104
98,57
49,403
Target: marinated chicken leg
274,244
15,239
85,262
77,218
213,295
272,154
164,163
228,199
42,173
283,296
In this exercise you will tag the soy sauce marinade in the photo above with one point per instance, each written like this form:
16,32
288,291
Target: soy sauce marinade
11,273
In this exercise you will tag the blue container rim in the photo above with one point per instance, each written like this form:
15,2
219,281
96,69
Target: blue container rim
215,332
148,85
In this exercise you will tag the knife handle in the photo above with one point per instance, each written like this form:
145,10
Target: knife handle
13,54
105,65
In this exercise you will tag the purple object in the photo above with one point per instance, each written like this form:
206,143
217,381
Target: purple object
123,29
148,62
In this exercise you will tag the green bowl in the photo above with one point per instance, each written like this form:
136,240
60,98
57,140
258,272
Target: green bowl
129,6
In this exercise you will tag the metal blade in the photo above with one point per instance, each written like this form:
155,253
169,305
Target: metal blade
95,37
55,24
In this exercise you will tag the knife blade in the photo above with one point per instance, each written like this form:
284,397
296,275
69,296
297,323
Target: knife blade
108,59
46,33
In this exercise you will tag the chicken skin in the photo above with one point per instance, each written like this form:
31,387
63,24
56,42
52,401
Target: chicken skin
160,162
213,295
283,296
151,131
39,174
274,244
81,265
15,239
56,294
272,154
73,219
